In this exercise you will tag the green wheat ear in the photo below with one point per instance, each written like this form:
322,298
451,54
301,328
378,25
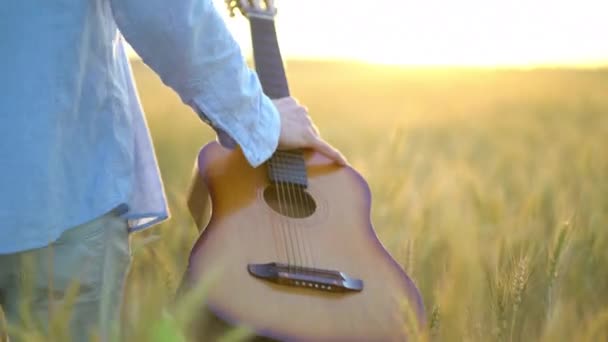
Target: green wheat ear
435,321
501,294
519,283
557,251
554,257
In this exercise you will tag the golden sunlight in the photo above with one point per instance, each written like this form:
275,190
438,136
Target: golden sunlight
439,32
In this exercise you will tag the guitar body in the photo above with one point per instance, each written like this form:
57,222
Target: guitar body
330,230
289,251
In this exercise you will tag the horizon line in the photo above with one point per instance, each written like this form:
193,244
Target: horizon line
590,65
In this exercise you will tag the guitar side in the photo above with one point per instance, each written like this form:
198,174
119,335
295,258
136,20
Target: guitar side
338,235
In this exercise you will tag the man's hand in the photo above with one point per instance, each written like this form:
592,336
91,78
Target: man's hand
298,130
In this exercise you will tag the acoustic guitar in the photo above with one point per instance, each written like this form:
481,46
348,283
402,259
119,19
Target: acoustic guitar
289,248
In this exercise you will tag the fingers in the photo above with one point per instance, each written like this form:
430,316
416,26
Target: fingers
315,130
326,149
299,131
316,142
321,145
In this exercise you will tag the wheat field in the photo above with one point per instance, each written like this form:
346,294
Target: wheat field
488,186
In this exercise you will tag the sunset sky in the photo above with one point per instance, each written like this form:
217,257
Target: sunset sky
441,32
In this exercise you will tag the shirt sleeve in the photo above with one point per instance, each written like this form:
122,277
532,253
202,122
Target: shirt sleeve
187,43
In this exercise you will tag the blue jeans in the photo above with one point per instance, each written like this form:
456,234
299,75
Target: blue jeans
70,290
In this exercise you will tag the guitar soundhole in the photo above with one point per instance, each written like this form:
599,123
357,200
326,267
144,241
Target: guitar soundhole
290,201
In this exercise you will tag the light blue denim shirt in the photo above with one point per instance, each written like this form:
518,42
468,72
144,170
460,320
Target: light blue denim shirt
74,142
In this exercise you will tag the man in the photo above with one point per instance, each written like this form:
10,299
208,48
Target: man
78,173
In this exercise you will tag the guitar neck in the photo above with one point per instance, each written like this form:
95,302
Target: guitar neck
267,57
284,166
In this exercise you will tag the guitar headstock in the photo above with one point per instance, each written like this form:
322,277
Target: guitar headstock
252,8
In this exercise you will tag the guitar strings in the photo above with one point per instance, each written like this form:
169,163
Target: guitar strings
277,230
281,223
306,206
287,200
298,202
295,252
292,245
291,205
304,200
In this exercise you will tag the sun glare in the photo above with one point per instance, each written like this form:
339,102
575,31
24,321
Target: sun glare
439,32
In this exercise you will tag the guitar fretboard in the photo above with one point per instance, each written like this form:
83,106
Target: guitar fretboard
288,167
284,166
267,57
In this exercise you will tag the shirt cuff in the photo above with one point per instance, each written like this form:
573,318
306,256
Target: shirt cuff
255,131
222,137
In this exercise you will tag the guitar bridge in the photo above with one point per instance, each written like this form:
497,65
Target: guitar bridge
312,278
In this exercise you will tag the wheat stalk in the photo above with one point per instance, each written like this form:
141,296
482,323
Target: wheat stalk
552,270
518,287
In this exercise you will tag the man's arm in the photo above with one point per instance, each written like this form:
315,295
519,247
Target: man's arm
187,43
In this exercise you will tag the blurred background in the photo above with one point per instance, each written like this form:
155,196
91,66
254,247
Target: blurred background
482,130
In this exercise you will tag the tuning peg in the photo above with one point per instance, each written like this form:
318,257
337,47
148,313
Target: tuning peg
231,5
